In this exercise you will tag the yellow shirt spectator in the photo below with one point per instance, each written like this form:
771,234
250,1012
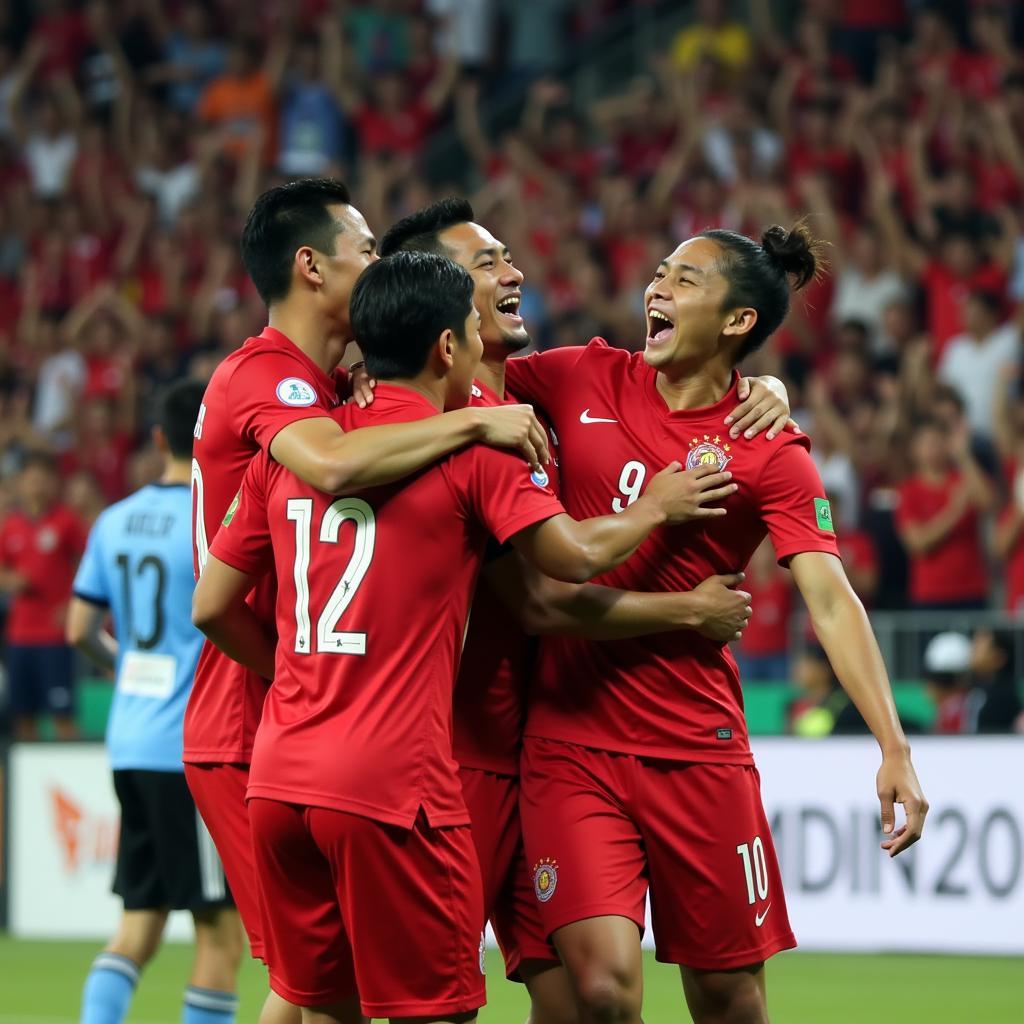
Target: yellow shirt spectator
728,43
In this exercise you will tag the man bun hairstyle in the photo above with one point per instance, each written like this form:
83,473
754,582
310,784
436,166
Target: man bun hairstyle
795,252
283,220
420,231
400,307
763,276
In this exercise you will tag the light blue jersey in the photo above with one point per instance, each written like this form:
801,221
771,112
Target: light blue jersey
138,562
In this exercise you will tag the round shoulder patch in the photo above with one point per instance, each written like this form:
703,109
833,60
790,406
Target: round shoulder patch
296,391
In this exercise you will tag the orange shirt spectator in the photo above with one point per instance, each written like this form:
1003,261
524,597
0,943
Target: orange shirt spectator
241,102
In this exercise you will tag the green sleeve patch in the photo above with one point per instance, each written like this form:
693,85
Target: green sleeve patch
823,514
232,509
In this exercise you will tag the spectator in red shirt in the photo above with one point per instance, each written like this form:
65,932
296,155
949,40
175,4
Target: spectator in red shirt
763,650
1008,539
939,521
40,544
390,122
950,264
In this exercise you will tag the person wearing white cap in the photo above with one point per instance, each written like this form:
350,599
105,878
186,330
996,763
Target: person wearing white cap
947,660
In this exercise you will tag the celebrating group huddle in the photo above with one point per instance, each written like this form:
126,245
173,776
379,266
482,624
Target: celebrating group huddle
416,767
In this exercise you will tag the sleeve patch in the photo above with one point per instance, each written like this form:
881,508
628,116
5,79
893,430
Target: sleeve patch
296,391
823,515
232,509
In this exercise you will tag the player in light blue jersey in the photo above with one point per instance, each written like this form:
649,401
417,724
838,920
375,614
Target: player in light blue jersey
138,566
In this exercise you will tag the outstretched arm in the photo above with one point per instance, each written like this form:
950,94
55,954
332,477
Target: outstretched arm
842,626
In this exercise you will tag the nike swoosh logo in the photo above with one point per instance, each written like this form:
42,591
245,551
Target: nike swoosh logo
759,918
585,417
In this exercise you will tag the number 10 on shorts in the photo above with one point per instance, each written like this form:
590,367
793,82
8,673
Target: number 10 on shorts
754,868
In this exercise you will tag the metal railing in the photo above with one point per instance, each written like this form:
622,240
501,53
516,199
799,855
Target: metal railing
903,636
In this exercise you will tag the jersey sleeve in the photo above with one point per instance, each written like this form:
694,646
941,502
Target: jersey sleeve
793,503
267,393
540,377
91,582
500,491
243,540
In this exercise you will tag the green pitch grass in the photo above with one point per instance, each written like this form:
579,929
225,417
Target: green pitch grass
40,983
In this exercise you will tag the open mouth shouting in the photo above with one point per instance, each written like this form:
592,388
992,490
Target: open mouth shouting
660,326
508,309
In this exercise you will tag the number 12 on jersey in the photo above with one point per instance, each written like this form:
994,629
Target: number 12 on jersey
330,640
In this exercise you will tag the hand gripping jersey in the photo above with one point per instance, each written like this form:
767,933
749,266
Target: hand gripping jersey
675,695
258,390
373,596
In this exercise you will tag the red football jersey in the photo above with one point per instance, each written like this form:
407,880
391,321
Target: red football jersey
490,692
675,695
955,569
46,552
257,391
373,596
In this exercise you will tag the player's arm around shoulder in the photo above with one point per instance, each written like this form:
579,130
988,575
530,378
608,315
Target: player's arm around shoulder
844,630
332,460
764,406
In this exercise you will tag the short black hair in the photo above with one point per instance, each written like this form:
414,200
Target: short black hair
420,230
282,220
400,306
177,409
759,276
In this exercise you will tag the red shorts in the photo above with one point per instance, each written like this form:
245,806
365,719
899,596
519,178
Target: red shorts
600,826
493,803
219,793
354,905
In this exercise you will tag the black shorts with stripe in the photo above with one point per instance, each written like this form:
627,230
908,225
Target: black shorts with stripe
165,856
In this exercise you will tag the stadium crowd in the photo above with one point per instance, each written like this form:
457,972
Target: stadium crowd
135,134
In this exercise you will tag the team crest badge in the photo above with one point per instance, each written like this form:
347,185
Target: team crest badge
708,451
296,391
483,952
540,478
545,879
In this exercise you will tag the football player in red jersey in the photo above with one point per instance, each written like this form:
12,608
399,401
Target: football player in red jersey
304,245
636,767
490,691
359,825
